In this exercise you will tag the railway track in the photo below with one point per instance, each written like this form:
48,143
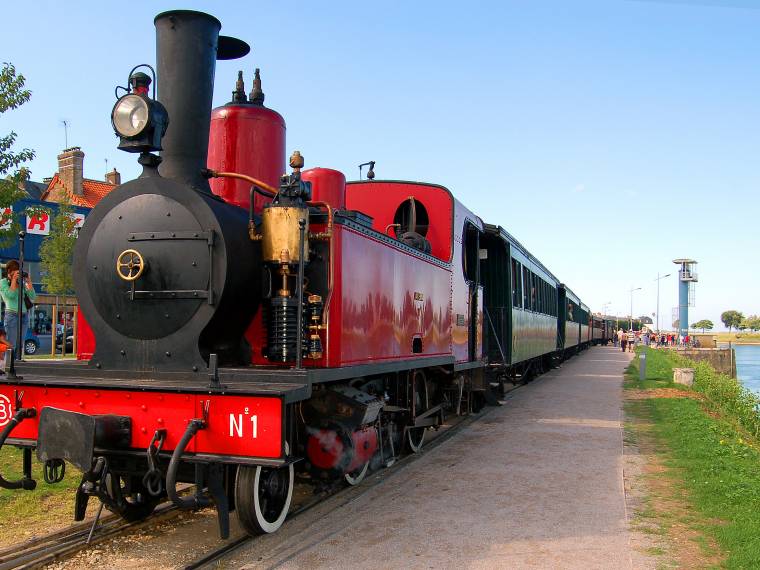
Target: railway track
59,545
64,544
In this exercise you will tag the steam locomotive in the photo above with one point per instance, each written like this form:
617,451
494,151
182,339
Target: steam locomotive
246,323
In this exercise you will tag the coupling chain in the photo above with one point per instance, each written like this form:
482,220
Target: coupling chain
154,478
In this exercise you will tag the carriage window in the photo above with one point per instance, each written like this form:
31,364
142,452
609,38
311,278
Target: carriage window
516,290
540,289
526,288
543,296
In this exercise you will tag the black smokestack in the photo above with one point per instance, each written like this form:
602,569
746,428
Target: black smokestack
187,47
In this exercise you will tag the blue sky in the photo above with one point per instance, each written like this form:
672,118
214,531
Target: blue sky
610,136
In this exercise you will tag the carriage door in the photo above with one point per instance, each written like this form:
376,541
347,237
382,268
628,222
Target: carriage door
561,316
497,299
471,262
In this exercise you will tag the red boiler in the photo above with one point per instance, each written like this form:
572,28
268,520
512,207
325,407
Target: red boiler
327,185
246,138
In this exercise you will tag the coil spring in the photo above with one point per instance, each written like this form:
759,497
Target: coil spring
283,329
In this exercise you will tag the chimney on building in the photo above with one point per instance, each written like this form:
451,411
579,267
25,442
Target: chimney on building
113,177
71,169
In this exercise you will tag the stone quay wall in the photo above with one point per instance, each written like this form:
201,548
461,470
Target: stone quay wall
722,359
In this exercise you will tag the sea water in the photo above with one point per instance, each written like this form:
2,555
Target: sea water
748,365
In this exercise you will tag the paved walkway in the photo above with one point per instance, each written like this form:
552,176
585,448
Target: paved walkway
537,483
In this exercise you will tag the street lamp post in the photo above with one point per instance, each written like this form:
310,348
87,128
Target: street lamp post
631,323
658,298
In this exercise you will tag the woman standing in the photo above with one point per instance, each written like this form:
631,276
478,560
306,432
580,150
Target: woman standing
9,288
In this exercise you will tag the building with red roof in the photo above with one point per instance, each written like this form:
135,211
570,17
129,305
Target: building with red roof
70,182
83,194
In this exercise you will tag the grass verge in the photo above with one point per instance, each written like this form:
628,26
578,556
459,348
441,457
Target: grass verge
709,453
48,356
27,513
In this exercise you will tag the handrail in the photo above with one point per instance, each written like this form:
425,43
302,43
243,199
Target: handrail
328,235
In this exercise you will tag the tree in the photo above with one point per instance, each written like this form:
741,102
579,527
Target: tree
57,250
731,319
12,173
751,322
703,324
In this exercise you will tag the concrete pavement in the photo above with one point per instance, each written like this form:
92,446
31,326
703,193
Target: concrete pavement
536,483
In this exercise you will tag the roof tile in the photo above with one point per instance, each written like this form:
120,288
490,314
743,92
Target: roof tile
93,191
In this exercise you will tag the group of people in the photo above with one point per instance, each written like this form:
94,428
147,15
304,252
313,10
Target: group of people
9,291
628,340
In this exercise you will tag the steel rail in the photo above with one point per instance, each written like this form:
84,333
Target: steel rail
64,543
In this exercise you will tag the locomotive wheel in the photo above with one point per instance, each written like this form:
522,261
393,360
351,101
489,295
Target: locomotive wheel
415,436
358,475
262,497
133,502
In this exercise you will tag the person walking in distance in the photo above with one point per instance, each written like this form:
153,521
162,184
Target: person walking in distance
631,340
622,338
9,290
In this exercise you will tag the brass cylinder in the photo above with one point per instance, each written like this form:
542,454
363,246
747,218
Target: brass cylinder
280,234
